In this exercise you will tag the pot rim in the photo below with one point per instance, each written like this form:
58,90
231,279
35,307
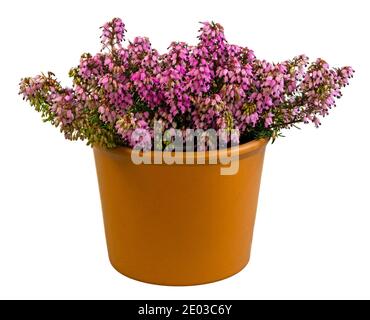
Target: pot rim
244,150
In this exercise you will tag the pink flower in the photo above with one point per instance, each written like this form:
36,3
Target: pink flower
268,120
210,85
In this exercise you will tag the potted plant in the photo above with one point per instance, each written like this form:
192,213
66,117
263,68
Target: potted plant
179,141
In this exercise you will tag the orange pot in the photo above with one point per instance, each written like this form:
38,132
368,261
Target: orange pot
178,224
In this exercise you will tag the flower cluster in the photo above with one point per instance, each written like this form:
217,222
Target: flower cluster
212,85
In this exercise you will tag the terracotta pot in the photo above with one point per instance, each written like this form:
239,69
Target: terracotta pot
178,224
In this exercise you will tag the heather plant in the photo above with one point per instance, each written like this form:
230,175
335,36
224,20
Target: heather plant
212,85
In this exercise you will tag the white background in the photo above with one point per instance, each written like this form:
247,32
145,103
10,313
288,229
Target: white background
312,235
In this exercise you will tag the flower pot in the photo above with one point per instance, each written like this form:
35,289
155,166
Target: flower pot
178,224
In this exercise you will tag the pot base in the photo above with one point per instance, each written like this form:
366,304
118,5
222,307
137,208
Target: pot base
177,283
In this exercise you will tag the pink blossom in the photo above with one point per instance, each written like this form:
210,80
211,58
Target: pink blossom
210,85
